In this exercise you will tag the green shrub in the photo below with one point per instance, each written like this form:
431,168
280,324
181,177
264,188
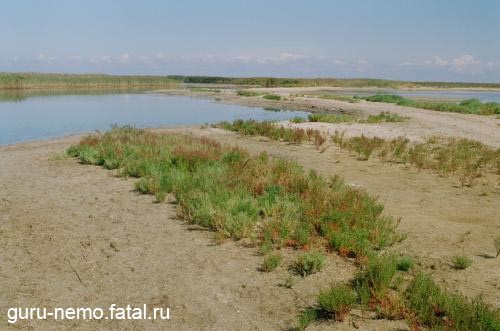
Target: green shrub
385,117
330,118
307,317
297,119
461,262
351,99
271,262
336,302
272,97
404,263
309,263
437,309
374,279
247,93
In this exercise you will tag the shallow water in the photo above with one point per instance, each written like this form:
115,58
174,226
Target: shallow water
45,117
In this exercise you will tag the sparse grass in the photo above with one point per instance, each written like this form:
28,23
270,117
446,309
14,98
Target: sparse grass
351,99
309,263
247,93
330,118
496,243
469,106
461,262
464,158
271,262
274,97
438,310
205,90
274,131
272,201
385,117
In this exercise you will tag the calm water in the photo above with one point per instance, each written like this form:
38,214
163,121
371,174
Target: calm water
52,116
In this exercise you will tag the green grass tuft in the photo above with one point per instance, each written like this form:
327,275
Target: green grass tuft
309,263
404,263
336,302
385,117
461,262
274,97
330,118
437,309
271,262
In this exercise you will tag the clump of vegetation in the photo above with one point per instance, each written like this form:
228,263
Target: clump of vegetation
465,158
330,118
309,263
469,106
385,117
436,309
274,131
404,263
374,279
351,99
297,119
223,188
336,302
272,97
248,93
271,262
461,262
204,90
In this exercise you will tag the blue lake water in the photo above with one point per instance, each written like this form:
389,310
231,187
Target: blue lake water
45,117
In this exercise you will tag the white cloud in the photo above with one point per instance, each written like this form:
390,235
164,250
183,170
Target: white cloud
439,61
465,63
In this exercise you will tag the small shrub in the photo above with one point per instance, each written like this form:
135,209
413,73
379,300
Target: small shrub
306,318
404,263
272,97
461,262
330,118
160,196
336,302
297,119
247,93
438,310
385,117
309,263
271,262
373,280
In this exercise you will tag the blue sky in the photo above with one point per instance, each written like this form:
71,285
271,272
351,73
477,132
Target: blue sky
446,40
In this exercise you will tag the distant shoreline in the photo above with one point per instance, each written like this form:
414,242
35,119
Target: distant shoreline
23,81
